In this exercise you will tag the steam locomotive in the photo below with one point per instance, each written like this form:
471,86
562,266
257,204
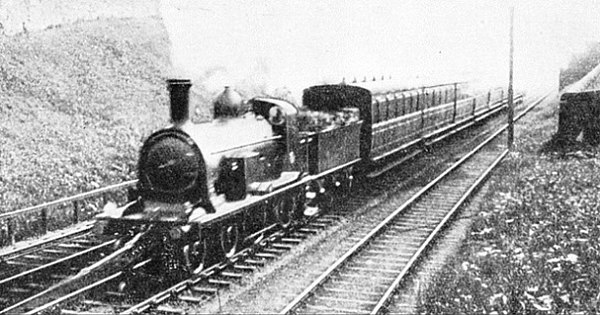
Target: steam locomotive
207,190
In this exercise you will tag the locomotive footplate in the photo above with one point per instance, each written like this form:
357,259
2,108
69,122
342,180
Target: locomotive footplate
263,188
173,215
153,212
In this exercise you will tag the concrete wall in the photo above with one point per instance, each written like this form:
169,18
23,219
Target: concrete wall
21,16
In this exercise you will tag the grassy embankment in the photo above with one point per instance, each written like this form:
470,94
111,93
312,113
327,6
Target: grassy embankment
533,247
75,103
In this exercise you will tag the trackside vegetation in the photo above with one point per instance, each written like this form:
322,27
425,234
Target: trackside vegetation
533,248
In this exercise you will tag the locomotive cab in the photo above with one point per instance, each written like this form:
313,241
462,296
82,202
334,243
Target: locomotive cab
262,165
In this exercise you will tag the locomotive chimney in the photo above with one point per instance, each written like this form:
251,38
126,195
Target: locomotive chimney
180,100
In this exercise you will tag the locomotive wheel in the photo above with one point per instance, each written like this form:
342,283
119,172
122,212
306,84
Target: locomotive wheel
327,196
264,215
327,201
319,196
346,181
230,236
300,204
284,210
264,220
118,244
260,222
195,256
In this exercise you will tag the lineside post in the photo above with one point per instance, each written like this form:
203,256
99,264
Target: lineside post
511,109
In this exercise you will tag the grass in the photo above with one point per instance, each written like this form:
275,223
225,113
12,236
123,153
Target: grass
75,103
532,249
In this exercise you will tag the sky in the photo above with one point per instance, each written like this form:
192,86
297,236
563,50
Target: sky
270,45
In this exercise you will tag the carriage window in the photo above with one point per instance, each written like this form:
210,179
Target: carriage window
417,101
399,107
391,108
383,104
383,110
375,111
425,99
414,103
403,101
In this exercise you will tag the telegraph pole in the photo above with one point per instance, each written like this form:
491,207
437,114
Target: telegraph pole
511,109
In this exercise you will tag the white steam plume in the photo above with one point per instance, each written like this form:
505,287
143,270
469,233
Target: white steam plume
263,45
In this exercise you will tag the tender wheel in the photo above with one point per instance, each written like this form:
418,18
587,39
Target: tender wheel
118,244
300,204
229,240
319,197
328,193
260,222
284,210
344,182
195,256
264,215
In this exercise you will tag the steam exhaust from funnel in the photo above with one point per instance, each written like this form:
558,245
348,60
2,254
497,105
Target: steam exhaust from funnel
179,91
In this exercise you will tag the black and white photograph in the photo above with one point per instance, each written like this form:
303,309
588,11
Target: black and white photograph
299,157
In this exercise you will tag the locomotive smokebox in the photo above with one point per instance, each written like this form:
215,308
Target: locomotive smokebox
179,90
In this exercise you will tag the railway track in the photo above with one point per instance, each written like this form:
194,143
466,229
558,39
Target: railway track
189,292
367,276
204,286
29,271
374,190
108,294
39,220
107,287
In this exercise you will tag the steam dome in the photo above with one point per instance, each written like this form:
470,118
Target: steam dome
228,104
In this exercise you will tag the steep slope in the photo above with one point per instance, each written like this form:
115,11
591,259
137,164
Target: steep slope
75,103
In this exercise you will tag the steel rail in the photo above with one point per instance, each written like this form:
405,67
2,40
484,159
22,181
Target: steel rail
17,227
13,308
85,289
36,244
89,194
380,227
57,262
174,289
530,107
445,221
78,197
74,199
440,135
177,288
435,234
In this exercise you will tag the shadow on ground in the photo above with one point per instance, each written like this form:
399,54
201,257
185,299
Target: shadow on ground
562,147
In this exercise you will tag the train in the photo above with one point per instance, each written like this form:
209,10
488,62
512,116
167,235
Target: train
206,191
